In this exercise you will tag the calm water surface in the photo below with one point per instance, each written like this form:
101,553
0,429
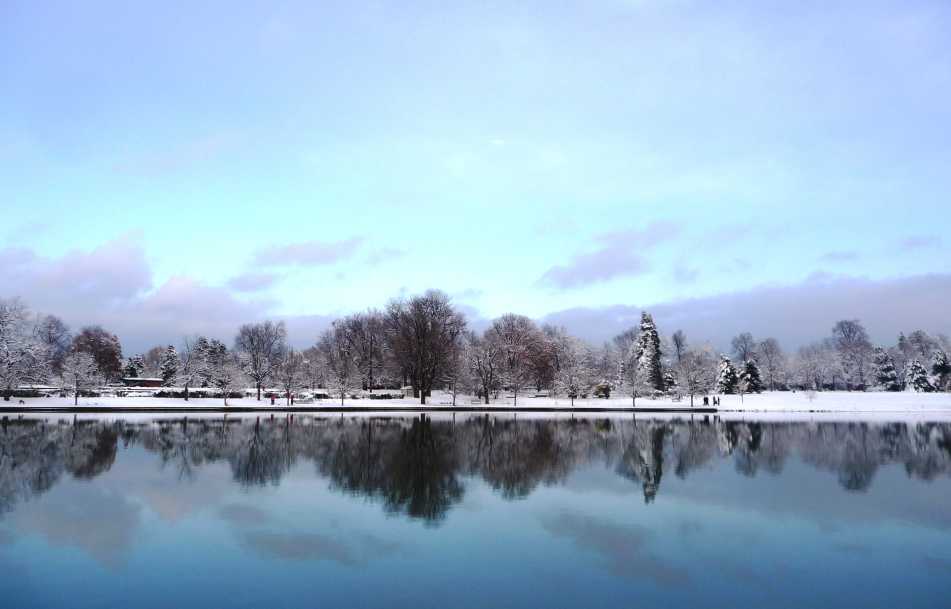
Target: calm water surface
393,512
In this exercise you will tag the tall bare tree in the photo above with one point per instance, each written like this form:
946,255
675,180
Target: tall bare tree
855,351
744,347
422,333
518,338
261,346
339,361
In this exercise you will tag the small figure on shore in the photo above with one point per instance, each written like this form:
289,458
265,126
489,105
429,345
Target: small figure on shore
706,401
272,399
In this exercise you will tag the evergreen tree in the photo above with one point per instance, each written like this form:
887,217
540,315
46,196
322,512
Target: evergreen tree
918,377
885,373
750,379
169,366
727,378
648,353
941,369
670,380
134,367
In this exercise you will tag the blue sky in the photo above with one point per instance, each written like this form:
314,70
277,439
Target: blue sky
184,166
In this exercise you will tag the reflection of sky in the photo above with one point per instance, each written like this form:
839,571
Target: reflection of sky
144,532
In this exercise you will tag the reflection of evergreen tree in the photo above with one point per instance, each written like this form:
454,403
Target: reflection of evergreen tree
643,460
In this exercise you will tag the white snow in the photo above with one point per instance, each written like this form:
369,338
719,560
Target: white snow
771,402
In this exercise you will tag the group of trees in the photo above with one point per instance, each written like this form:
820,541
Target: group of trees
423,343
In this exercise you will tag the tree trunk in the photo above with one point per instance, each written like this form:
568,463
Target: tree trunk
186,392
76,396
486,398
691,400
259,392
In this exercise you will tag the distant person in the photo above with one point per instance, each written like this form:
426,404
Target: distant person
706,401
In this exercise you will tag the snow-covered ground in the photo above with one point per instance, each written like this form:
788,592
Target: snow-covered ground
802,402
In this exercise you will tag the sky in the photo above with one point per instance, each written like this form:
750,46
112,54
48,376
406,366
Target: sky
168,168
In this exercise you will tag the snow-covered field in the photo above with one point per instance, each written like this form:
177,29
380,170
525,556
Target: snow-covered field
789,402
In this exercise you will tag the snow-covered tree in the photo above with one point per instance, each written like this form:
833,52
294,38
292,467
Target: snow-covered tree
104,347
670,379
918,377
289,373
635,376
134,367
22,358
727,378
366,334
225,369
696,372
574,376
79,371
750,379
854,348
53,335
193,366
168,368
941,369
770,356
517,338
484,358
339,362
261,346
649,353
885,374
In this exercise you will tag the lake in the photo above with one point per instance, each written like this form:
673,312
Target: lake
473,512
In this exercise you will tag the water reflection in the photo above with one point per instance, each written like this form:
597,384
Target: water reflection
418,467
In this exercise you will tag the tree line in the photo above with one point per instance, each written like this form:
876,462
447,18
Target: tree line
423,343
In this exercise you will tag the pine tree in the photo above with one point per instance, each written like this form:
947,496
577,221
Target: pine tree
750,379
670,380
918,377
941,369
885,373
727,378
134,367
169,366
648,353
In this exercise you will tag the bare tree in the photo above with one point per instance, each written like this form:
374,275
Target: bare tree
104,347
289,373
339,361
697,372
773,360
261,346
744,347
854,347
53,335
518,338
484,358
79,371
575,373
313,369
422,333
365,331
679,343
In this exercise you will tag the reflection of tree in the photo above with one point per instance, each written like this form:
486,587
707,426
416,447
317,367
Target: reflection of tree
421,475
417,466
643,459
91,453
